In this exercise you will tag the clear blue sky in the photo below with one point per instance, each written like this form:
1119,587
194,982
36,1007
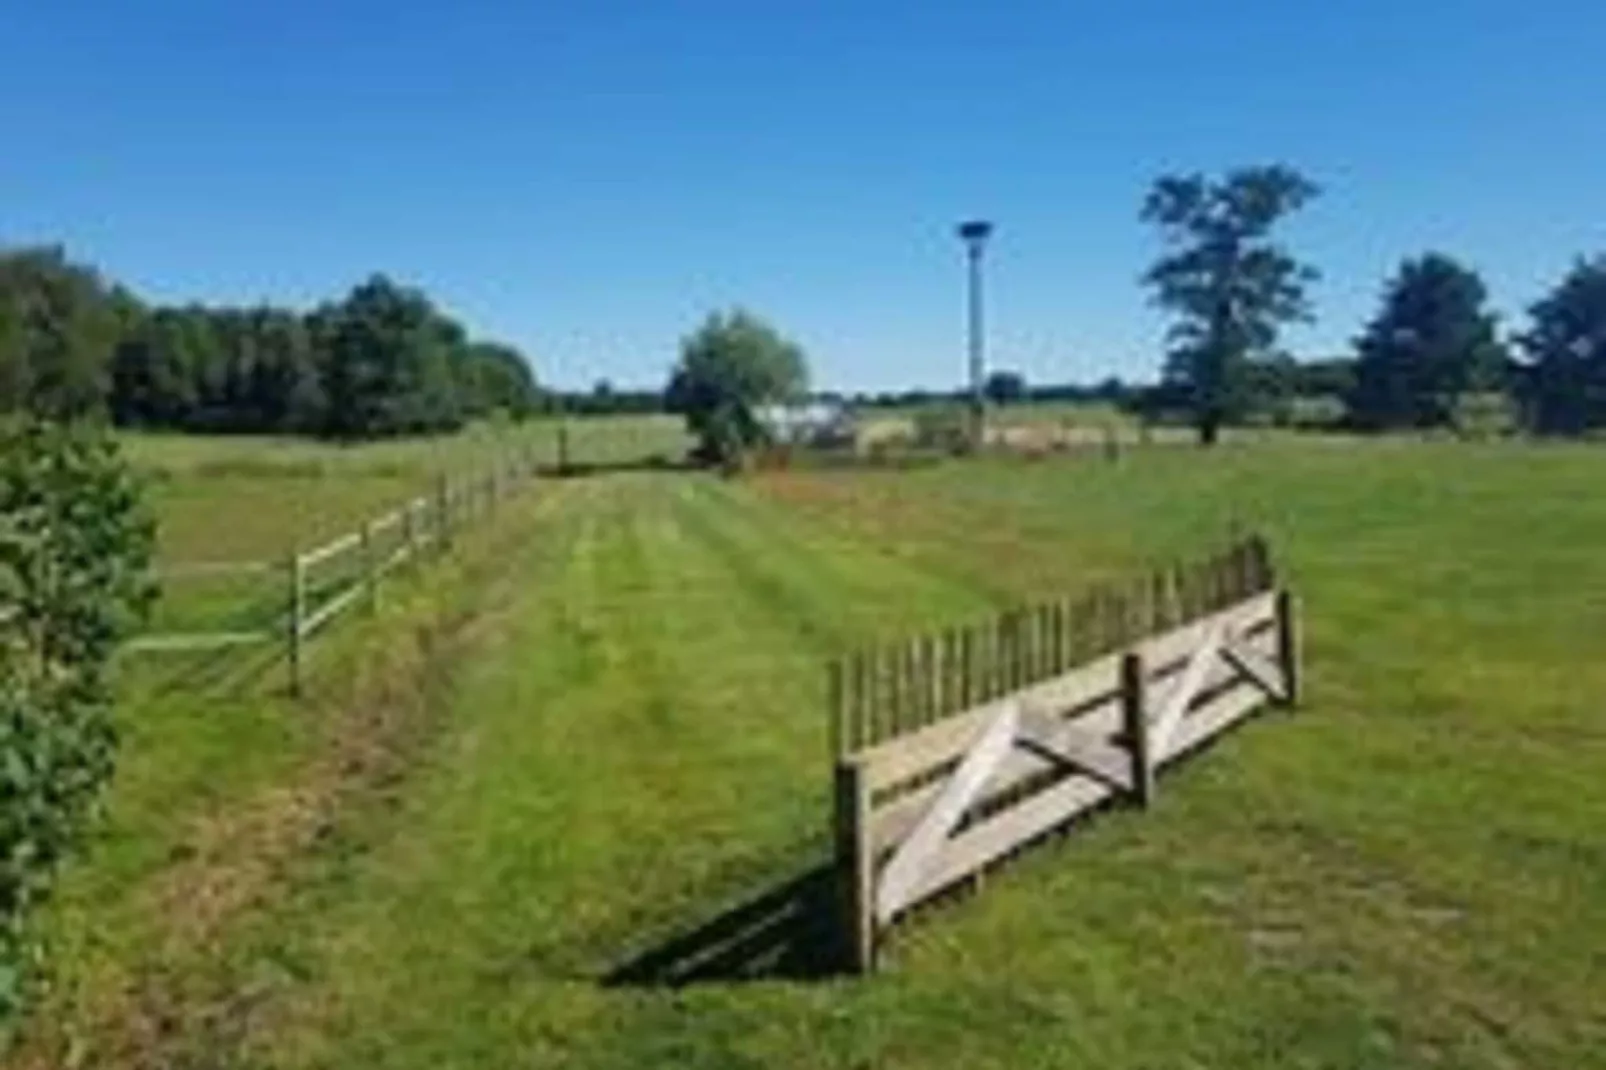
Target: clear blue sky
588,179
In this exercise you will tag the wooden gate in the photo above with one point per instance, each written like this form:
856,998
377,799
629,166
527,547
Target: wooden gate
924,810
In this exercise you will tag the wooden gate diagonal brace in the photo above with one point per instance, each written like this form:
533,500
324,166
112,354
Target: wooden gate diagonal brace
914,856
1260,671
1083,751
1164,725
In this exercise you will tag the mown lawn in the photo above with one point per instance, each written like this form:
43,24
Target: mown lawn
255,499
630,739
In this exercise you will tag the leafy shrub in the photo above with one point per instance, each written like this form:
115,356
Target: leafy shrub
75,547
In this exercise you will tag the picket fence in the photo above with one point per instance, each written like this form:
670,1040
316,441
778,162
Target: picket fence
955,750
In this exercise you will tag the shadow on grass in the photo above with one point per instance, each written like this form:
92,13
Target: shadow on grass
225,673
581,469
788,933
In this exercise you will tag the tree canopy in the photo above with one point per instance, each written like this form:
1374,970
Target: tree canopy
1432,343
729,367
1229,286
1566,344
383,360
1005,387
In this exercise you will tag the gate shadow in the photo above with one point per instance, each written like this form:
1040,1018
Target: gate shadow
789,933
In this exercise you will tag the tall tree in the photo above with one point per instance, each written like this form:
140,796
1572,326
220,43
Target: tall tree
1229,286
1566,343
1432,343
58,327
1005,387
388,366
729,367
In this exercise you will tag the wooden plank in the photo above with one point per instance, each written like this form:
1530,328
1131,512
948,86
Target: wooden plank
330,609
395,559
837,706
892,762
1004,832
175,643
443,513
344,544
898,666
853,867
1211,718
1135,728
1067,744
1042,656
895,761
918,690
892,819
1289,646
294,624
182,570
931,690
1099,722
1259,670
1183,692
1249,616
370,570
917,853
948,699
863,685
385,521
967,668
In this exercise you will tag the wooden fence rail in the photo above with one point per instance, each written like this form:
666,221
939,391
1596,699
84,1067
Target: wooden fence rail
325,581
955,750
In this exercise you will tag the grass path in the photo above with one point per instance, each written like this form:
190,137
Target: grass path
1410,872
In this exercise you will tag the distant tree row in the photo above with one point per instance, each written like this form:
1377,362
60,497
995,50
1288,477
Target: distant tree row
1432,356
384,360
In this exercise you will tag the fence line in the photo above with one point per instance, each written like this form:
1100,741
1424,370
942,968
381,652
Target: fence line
958,748
891,689
325,581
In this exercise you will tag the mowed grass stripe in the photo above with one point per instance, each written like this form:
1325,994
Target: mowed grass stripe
835,590
665,754
1408,872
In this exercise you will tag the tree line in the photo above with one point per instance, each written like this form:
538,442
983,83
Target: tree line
1431,357
383,360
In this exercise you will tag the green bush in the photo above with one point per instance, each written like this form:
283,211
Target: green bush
75,548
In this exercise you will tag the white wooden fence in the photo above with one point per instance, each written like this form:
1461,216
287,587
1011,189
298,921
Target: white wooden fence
323,582
919,813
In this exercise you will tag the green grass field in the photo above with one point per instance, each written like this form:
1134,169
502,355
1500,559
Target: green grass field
255,498
601,725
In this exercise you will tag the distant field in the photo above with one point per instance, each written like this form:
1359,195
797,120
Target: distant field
603,725
255,498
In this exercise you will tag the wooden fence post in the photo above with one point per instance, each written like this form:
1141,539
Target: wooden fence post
1135,726
1288,646
443,514
837,691
370,573
296,610
410,528
853,863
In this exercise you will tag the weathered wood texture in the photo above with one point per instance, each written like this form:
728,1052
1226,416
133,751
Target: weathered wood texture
893,689
1049,737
